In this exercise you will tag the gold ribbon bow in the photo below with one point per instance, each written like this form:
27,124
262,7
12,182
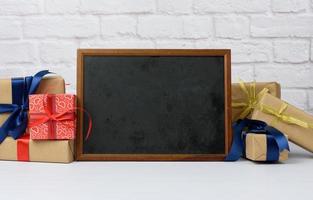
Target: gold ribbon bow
252,97
283,117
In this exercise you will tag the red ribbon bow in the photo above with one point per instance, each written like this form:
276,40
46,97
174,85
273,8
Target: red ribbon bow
51,117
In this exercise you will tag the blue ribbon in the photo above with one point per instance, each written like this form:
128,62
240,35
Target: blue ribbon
276,141
16,123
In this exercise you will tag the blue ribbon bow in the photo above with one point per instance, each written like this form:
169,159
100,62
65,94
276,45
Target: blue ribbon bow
16,123
276,141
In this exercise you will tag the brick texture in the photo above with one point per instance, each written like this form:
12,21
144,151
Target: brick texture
282,26
174,6
118,26
289,5
232,27
21,7
271,40
226,6
12,30
57,26
17,52
292,51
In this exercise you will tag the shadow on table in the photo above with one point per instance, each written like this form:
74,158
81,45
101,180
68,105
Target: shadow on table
299,157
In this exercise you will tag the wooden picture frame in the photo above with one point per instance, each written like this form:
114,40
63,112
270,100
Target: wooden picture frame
224,53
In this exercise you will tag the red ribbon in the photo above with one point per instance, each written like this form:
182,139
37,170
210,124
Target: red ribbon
49,116
23,148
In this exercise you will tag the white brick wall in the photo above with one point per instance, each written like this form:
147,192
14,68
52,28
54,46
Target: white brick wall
271,40
233,27
117,26
12,30
286,6
282,26
292,51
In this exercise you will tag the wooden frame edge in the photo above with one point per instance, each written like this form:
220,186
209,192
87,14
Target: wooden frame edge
152,157
228,108
226,53
80,103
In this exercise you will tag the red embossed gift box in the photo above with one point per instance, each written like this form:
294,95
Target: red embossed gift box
52,116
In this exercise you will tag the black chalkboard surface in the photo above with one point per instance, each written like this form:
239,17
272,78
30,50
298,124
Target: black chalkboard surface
154,104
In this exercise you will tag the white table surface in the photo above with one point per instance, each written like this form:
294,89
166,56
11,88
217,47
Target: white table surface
159,180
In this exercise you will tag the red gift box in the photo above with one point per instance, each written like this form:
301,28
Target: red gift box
52,116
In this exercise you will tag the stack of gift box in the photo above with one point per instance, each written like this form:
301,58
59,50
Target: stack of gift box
38,122
37,119
261,101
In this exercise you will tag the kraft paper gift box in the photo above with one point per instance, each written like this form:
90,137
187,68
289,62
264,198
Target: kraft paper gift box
256,148
288,119
50,84
52,116
58,151
28,150
245,96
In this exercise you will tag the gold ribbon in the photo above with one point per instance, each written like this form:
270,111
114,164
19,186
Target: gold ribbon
283,117
252,98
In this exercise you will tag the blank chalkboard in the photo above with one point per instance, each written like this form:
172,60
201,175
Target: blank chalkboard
154,104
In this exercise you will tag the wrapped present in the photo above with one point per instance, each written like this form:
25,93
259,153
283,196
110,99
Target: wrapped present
245,96
248,133
293,122
24,149
52,116
14,101
258,148
51,85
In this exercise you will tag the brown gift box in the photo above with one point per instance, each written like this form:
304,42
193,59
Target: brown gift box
60,151
288,119
50,84
239,96
256,148
43,151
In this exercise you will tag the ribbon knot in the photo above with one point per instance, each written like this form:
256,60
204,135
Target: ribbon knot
252,98
49,116
23,108
277,142
16,123
54,118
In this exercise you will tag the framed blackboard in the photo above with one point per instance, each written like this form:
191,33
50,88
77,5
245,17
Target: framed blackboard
154,104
